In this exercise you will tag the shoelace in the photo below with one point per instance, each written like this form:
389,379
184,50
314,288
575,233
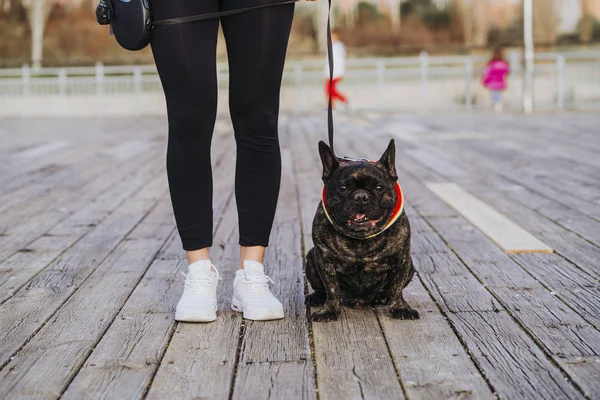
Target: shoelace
198,285
259,284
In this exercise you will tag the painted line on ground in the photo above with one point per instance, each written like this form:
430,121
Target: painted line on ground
504,232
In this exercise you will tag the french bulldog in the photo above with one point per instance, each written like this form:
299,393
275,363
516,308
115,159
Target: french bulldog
355,261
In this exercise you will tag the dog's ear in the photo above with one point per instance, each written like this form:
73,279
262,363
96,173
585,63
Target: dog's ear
388,159
329,160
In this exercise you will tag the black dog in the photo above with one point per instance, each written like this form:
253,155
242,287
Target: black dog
356,261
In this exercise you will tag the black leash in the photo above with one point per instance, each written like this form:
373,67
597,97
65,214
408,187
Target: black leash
330,60
201,17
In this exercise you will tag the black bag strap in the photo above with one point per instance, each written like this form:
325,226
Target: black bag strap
202,17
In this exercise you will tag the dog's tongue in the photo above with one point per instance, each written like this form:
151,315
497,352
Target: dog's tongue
359,216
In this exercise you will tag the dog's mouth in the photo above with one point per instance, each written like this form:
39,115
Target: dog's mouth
361,220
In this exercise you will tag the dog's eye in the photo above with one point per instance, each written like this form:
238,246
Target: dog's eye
342,189
379,188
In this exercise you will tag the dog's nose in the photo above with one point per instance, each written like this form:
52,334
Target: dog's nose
361,197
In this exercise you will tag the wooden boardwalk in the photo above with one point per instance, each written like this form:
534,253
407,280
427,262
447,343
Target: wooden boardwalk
90,261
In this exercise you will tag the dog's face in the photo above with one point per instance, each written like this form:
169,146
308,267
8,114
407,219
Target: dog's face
360,196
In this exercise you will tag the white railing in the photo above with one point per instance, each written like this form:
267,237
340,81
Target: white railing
568,80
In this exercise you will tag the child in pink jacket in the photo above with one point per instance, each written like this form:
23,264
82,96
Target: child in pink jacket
495,76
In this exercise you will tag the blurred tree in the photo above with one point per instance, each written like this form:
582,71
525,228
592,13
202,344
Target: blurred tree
545,21
37,14
471,19
395,15
586,25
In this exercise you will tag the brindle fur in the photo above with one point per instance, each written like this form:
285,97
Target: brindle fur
344,269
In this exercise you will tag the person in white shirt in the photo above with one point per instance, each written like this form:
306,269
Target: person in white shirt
339,68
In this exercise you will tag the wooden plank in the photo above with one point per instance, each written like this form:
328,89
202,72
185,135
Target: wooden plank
353,360
576,288
514,365
125,360
562,334
514,162
128,368
30,221
532,211
351,353
508,235
566,243
284,340
511,376
430,359
42,149
200,353
25,312
276,380
48,362
20,172
23,265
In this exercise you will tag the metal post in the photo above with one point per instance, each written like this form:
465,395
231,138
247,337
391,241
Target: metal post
26,76
62,81
469,94
298,80
423,66
380,73
99,78
529,62
560,82
137,80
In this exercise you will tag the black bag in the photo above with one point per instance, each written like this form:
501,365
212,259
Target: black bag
131,20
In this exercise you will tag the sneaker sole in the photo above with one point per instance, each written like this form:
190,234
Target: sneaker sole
236,305
195,317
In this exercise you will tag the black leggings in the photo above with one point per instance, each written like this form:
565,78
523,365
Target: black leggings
185,55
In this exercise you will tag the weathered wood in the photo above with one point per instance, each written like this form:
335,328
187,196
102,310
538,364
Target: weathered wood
82,150
513,364
27,223
25,312
125,360
509,202
284,340
275,380
561,333
351,354
200,353
575,287
46,364
507,234
94,321
200,358
22,266
430,359
146,319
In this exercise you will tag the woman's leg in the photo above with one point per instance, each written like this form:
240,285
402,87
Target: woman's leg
256,46
185,55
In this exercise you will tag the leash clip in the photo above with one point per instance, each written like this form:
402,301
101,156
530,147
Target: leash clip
352,159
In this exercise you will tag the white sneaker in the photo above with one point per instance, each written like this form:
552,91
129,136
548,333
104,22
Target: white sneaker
198,302
251,294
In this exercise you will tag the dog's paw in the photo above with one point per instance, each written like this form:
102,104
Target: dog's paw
325,315
382,298
403,313
316,299
355,303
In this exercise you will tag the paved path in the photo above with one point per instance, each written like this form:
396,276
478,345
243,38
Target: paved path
90,261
